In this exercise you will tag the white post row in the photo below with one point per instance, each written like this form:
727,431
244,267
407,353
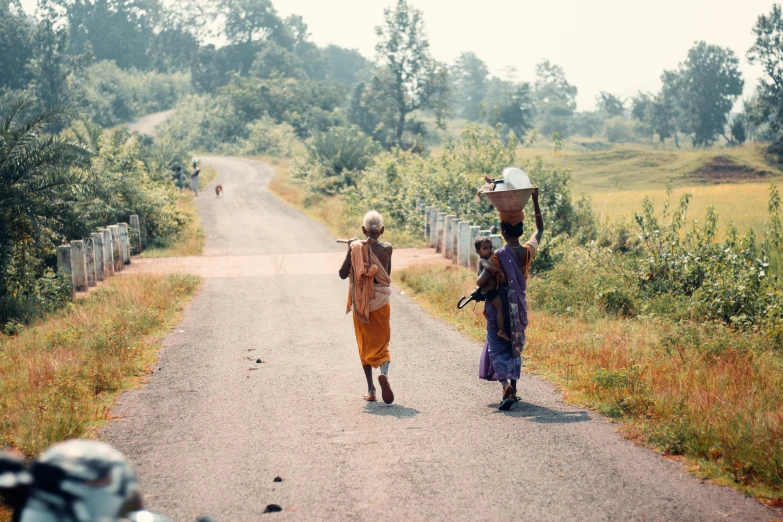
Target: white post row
136,239
97,241
89,257
474,234
464,246
64,262
440,228
433,228
108,252
124,242
427,221
448,238
78,266
115,247
454,238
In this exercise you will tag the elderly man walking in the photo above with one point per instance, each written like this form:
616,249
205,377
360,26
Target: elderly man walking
368,264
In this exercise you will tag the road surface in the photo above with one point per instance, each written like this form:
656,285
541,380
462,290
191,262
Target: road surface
214,427
147,124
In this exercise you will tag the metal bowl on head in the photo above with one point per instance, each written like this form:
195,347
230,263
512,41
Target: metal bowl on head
509,200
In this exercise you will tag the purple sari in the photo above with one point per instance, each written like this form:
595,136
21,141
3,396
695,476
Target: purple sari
497,359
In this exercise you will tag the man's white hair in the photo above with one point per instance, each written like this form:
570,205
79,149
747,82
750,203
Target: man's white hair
373,221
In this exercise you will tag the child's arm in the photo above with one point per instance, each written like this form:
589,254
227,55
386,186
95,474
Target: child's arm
489,267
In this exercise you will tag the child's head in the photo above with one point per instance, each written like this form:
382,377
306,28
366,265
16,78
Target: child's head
372,225
483,246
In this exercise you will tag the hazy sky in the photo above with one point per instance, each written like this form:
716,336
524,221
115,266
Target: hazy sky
620,46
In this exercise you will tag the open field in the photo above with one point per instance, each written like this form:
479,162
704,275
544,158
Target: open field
59,377
705,393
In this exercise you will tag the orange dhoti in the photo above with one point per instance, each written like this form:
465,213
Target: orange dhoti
373,337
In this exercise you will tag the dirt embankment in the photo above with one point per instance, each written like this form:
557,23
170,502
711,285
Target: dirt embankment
723,169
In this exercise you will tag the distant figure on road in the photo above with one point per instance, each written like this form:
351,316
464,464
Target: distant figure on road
368,263
501,359
194,177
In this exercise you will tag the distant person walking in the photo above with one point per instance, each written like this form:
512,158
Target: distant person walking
368,264
194,176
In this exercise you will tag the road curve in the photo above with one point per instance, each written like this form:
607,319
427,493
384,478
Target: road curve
149,123
213,427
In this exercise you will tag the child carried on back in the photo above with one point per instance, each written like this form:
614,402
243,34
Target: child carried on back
488,261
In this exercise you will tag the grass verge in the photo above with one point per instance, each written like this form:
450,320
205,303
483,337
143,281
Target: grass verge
189,241
702,392
331,211
60,377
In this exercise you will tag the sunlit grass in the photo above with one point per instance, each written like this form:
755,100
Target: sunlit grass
59,377
702,391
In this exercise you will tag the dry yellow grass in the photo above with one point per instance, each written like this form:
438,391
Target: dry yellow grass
702,391
60,376
744,204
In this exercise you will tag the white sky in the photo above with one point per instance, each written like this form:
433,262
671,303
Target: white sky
620,46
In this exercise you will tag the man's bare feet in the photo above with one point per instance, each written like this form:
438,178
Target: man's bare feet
503,335
369,398
386,391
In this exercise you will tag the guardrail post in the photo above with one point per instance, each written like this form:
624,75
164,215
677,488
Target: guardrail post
97,241
427,221
485,233
440,229
463,250
448,240
455,239
135,235
474,234
433,227
64,262
419,204
124,242
78,266
89,258
497,241
116,251
143,229
108,252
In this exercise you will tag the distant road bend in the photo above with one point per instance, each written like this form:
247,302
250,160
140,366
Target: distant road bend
214,427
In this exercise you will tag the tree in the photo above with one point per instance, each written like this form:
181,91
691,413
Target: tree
610,104
248,23
738,132
469,76
641,110
16,45
49,67
408,75
518,112
710,82
767,51
556,99
665,111
36,175
277,62
347,66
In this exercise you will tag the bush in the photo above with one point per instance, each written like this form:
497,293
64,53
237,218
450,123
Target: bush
268,138
619,130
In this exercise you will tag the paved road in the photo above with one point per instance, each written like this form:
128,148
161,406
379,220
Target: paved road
147,124
213,428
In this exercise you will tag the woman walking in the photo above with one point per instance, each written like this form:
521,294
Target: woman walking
501,359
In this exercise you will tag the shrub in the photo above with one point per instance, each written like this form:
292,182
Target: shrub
619,130
267,137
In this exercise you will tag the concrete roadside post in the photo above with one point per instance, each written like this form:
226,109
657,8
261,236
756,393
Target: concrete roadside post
433,228
108,255
135,235
419,204
115,248
97,241
463,252
474,234
448,238
64,262
455,239
440,228
497,241
143,229
485,233
79,266
125,243
89,257
427,221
